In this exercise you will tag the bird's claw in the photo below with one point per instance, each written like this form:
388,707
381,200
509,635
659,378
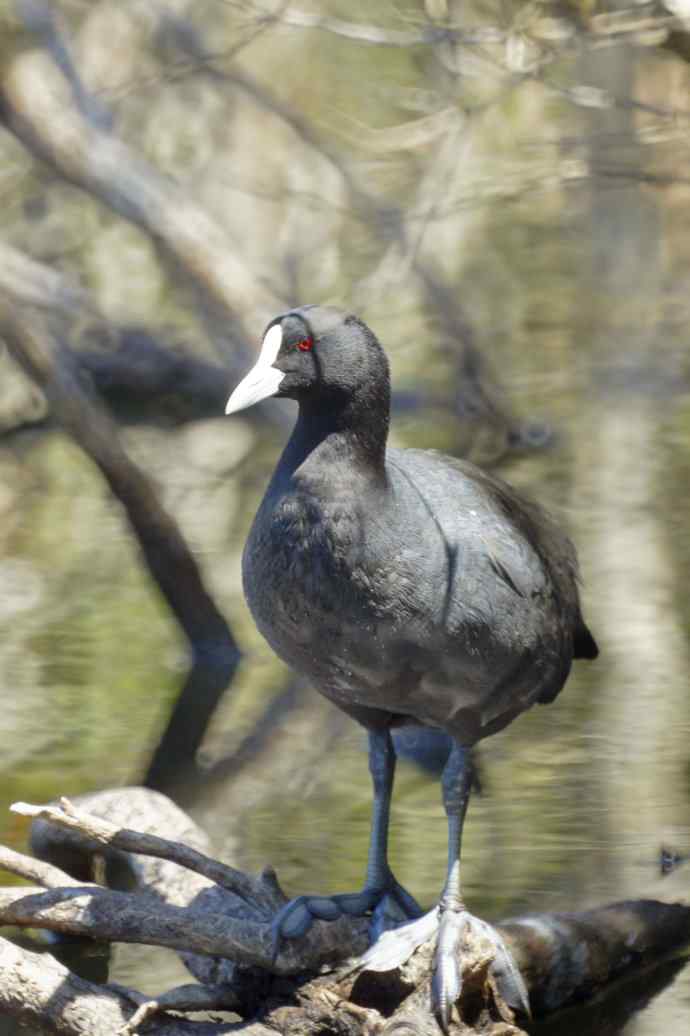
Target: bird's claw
455,929
504,972
390,903
395,907
446,979
296,918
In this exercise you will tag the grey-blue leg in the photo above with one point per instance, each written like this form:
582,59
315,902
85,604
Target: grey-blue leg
456,783
394,904
382,894
454,919
450,921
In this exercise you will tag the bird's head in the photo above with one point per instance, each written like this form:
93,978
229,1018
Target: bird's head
321,357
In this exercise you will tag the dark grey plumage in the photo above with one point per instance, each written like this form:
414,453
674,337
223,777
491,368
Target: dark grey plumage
408,586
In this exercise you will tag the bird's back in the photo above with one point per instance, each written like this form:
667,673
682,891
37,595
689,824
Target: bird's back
511,622
490,522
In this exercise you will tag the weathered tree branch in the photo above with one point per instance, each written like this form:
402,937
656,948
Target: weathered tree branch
39,109
102,831
119,917
39,284
44,874
378,36
229,913
144,379
563,957
40,993
134,369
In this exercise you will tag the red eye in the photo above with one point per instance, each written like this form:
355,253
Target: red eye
305,345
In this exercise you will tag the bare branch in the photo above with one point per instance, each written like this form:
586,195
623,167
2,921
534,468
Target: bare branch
67,816
139,375
380,37
104,914
367,33
39,112
163,546
43,20
182,998
40,993
93,912
46,874
29,281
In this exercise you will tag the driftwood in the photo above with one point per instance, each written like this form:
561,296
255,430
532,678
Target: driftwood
219,920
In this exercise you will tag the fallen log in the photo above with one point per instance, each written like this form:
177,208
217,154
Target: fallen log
219,920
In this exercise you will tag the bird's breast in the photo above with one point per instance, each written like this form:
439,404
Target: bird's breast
306,580
374,618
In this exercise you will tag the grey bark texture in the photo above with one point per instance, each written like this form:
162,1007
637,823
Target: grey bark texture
219,920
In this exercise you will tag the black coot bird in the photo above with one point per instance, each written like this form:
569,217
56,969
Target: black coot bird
409,588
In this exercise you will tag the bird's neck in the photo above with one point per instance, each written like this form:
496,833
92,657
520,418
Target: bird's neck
351,439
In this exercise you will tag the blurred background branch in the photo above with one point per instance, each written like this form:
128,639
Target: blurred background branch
213,649
501,191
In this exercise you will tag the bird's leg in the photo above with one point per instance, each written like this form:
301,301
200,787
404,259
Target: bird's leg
454,921
447,980
393,904
382,894
450,922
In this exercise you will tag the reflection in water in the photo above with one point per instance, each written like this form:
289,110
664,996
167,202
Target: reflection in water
577,797
559,231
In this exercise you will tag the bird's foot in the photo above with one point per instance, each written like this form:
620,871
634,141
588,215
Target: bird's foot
457,931
389,904
460,931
